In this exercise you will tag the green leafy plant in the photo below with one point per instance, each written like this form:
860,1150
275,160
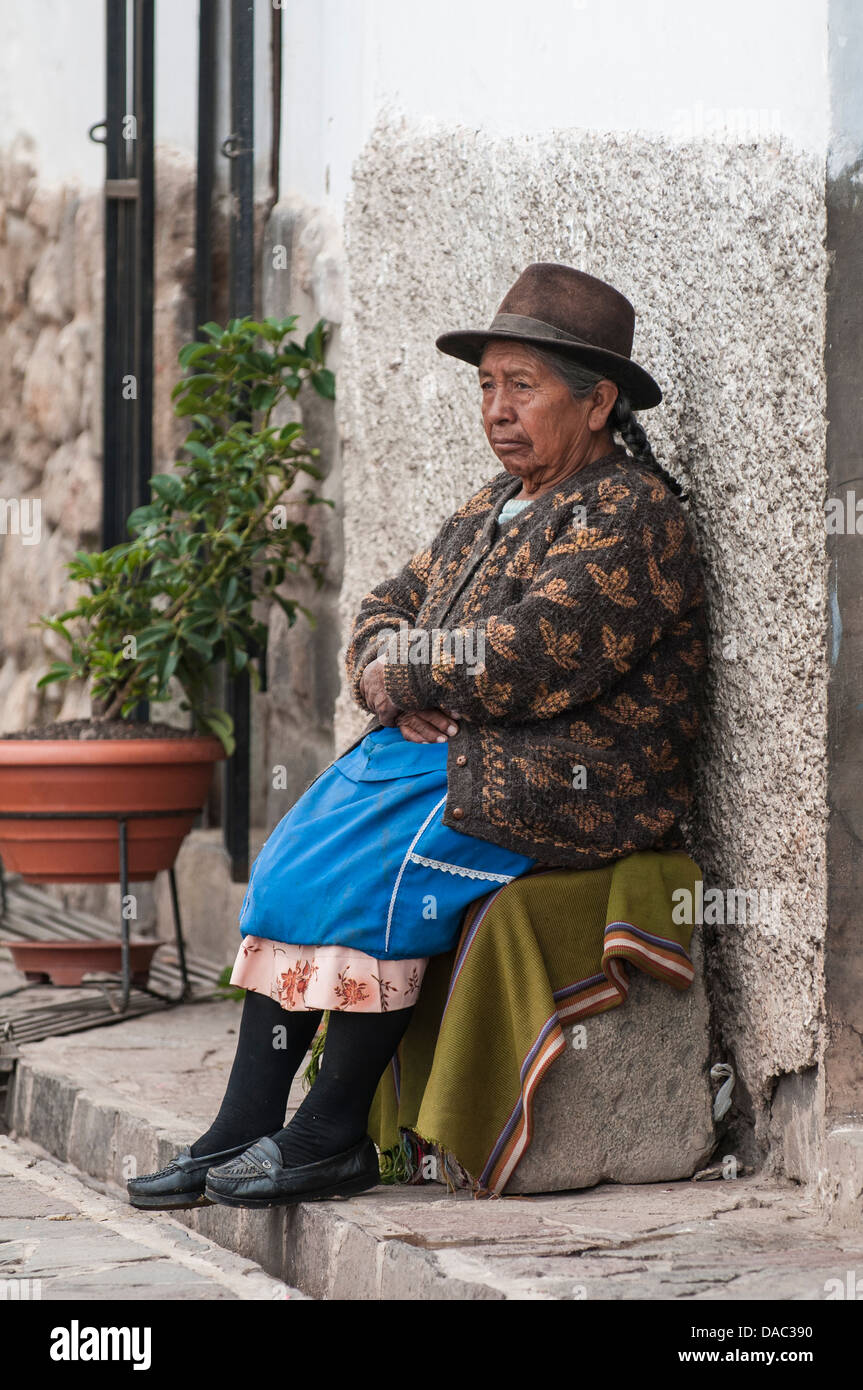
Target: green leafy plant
225,988
310,1074
179,596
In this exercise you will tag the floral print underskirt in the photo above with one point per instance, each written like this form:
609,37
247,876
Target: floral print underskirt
326,977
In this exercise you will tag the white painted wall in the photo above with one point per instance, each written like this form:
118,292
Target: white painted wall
678,67
682,68
52,83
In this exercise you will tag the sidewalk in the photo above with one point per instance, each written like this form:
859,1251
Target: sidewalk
124,1098
63,1240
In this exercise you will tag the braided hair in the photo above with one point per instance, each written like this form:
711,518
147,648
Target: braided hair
621,420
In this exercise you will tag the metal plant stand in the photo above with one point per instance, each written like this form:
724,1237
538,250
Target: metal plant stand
122,818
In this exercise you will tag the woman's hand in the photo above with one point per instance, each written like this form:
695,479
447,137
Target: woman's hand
375,694
427,725
417,726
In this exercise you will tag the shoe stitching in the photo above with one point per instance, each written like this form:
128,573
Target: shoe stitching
168,1172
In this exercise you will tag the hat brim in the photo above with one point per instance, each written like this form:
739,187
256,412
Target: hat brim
643,392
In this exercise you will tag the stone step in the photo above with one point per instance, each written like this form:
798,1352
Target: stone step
123,1100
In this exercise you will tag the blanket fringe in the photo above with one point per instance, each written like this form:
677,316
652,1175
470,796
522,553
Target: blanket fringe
415,1159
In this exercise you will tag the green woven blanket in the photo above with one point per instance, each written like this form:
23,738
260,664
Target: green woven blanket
544,951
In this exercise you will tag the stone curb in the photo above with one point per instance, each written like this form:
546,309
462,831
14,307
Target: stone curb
329,1250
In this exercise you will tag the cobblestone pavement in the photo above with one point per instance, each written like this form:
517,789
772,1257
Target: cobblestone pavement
62,1239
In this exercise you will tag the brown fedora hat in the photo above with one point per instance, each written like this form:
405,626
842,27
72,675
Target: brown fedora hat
556,306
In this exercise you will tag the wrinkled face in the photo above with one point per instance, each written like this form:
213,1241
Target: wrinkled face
537,429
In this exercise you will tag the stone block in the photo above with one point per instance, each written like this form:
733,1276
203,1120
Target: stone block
50,1116
452,1275
633,1105
329,1243
54,380
87,267
22,475
841,1180
33,580
302,753
21,251
75,700
8,675
51,288
71,488
255,1235
91,1142
18,176
21,703
47,209
23,1201
19,1100
136,1148
795,1123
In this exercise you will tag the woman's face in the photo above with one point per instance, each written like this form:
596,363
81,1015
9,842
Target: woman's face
539,432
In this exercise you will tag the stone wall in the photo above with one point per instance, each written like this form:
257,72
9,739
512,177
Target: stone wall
51,295
50,415
720,248
51,291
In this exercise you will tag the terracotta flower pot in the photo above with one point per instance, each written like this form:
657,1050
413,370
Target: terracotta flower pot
67,962
168,775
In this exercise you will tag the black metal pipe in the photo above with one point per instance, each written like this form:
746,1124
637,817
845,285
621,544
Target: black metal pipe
207,23
241,302
125,953
112,363
242,288
127,383
144,268
275,101
186,985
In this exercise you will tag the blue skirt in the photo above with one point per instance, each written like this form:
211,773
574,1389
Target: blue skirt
364,860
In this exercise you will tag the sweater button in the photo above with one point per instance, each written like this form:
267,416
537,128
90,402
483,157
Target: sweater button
458,813
461,759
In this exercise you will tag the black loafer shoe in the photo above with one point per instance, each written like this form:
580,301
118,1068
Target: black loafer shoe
258,1177
180,1184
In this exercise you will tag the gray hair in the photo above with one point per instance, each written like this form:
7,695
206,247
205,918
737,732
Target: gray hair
581,381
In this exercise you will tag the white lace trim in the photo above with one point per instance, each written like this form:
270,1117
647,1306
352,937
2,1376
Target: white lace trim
459,869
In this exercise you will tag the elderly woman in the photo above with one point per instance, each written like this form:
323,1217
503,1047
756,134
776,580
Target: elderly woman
532,679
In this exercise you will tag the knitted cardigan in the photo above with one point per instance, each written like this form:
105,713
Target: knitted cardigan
575,742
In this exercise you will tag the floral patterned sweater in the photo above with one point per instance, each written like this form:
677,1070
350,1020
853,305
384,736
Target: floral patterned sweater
572,643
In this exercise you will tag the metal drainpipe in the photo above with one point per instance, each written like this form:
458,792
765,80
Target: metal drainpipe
207,24
127,414
240,149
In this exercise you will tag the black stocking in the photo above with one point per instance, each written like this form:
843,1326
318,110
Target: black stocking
265,1064
334,1115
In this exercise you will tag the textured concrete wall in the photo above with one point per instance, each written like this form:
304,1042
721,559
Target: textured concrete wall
721,249
303,274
